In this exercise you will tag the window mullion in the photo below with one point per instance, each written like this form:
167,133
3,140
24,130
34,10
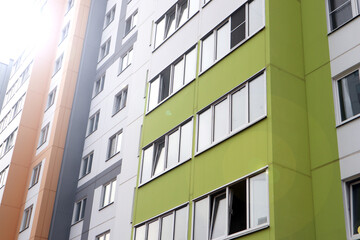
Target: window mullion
172,78
184,69
247,29
215,45
227,213
247,112
212,124
248,203
166,149
159,227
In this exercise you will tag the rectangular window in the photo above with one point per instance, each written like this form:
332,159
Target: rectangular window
108,193
172,78
69,5
86,164
99,85
131,22
104,49
43,134
58,64
109,17
3,176
170,226
349,92
174,18
50,99
167,152
230,211
93,122
120,100
104,236
25,223
79,210
126,60
235,111
242,24
355,209
341,11
35,175
114,144
64,32
8,143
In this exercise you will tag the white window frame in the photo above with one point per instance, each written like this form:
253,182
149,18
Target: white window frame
82,207
25,222
132,20
93,122
3,176
86,165
127,57
356,236
51,99
104,49
120,100
228,96
116,137
111,196
109,17
355,10
43,135
35,176
104,236
101,82
58,64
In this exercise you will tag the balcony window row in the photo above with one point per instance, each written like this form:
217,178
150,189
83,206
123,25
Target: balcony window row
3,176
172,225
109,17
242,24
8,143
342,11
173,78
12,113
18,83
233,112
131,22
174,18
167,152
233,210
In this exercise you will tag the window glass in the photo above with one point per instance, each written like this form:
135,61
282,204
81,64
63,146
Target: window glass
159,156
221,123
135,17
170,24
147,164
256,16
154,93
118,142
259,201
173,149
182,13
356,208
186,141
204,129
153,231
160,32
193,7
239,109
201,219
218,218
207,57
190,66
107,190
140,233
181,224
237,207
238,26
257,97
124,62
166,227
178,75
349,90
223,41
113,188
340,12
165,84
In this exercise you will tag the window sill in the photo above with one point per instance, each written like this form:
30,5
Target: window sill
7,152
206,4
102,58
353,118
40,145
109,158
231,50
122,70
350,20
32,186
117,111
103,207
84,176
94,96
55,72
77,222
247,231
167,170
241,129
128,33
22,230
168,97
108,25
89,134
48,107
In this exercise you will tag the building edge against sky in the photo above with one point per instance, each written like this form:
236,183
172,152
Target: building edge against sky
244,129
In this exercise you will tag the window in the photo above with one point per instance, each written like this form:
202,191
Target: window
108,193
69,5
349,95
104,236
35,175
64,32
8,143
235,111
355,209
86,163
93,122
172,225
12,113
3,176
79,210
173,78
114,144
43,135
242,24
175,17
120,100
58,63
167,152
99,85
104,49
109,17
50,99
126,60
25,223
233,210
341,11
131,22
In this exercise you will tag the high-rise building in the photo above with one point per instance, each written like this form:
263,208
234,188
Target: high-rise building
186,119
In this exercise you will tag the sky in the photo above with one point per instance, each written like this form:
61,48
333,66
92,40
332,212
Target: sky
20,23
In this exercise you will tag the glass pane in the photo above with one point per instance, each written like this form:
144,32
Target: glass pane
237,207
238,35
178,75
349,92
221,124
182,13
190,66
193,7
77,212
112,146
124,62
159,157
166,227
219,217
147,164
257,98
128,26
204,134
341,15
130,55
107,236
154,93
201,219
134,20
113,189
165,84
186,141
140,233
83,208
118,142
153,232
223,41
181,224
356,208
170,24
207,57
173,149
259,200
237,18
334,4
239,109
106,195
160,32
256,16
